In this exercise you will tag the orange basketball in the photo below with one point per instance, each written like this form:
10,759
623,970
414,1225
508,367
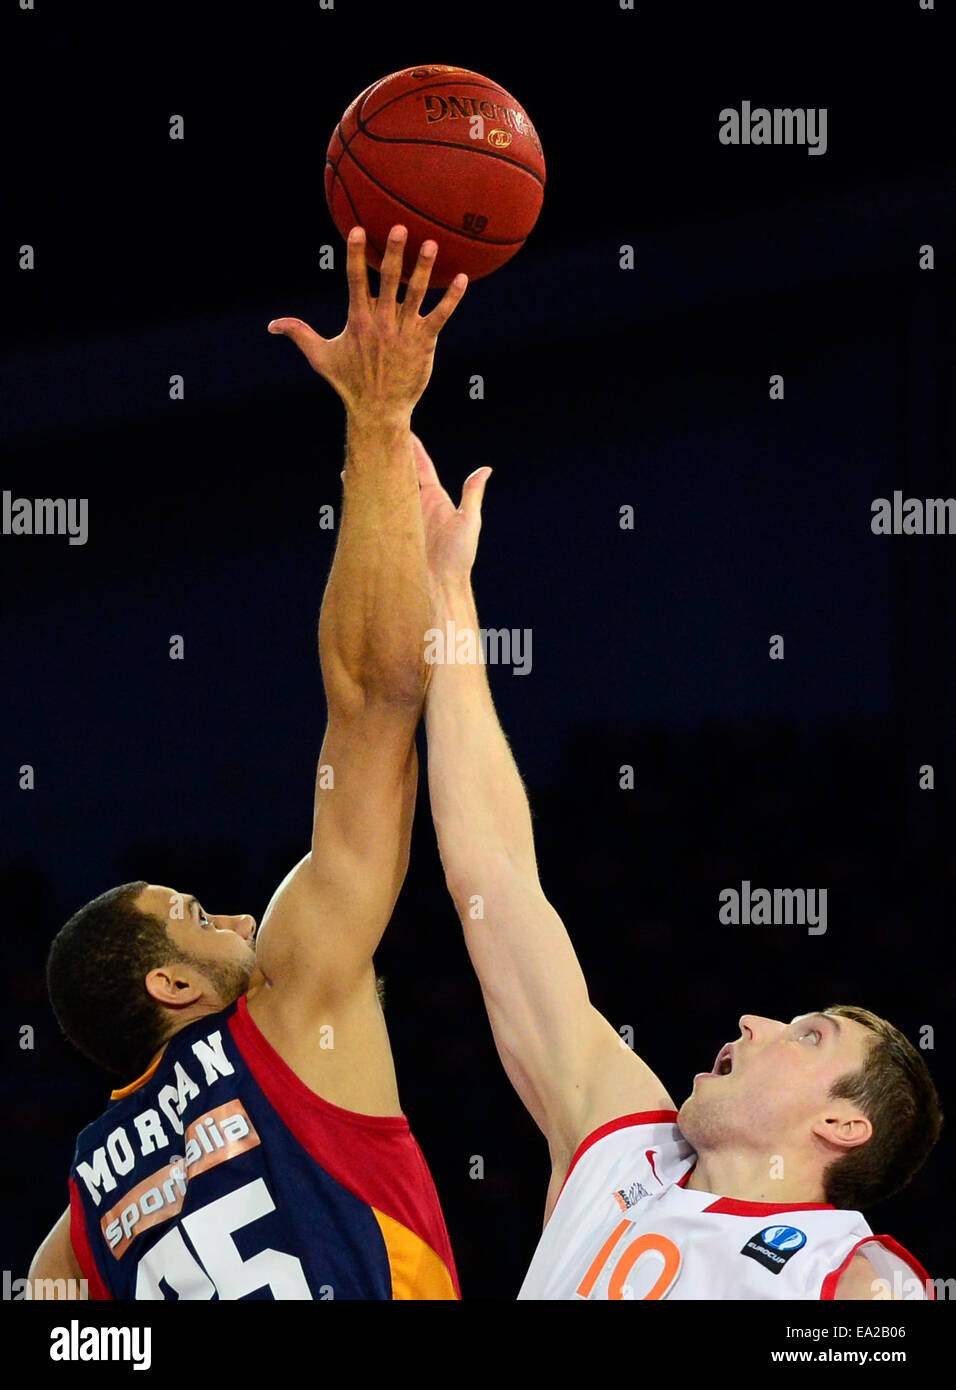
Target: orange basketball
447,153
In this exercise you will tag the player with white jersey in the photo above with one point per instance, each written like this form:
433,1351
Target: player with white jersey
628,1225
752,1189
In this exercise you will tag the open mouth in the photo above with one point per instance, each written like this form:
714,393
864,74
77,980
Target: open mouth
724,1064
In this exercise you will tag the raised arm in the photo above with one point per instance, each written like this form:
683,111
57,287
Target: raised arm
567,1063
319,933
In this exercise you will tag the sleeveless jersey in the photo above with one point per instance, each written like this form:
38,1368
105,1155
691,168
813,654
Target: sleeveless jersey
625,1226
219,1174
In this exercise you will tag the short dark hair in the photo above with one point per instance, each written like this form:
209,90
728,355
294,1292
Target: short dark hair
895,1092
96,977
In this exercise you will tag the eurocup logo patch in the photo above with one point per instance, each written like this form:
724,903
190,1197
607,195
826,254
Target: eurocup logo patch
774,1246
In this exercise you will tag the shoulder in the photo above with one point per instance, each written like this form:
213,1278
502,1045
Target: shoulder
860,1281
55,1266
628,1132
643,1150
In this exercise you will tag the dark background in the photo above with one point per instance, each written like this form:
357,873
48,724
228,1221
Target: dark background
602,388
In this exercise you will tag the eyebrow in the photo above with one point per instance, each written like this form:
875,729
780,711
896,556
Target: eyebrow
192,902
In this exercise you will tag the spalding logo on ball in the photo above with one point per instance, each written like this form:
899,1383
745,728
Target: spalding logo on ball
447,153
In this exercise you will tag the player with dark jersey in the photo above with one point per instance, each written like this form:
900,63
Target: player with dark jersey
258,1148
220,1174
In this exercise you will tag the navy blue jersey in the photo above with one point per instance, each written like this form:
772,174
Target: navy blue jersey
219,1174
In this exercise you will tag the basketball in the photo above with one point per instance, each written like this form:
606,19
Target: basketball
445,152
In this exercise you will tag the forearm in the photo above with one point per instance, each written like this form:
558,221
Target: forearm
543,1022
376,606
478,800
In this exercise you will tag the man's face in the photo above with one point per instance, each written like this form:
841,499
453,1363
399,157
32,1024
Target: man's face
223,947
777,1084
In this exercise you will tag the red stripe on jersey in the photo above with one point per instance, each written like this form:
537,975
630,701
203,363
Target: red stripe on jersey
80,1241
828,1287
644,1117
730,1206
376,1157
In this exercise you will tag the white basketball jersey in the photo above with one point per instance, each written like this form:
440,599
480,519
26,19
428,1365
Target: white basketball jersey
624,1226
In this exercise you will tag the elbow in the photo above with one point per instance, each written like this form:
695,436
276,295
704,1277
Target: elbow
351,695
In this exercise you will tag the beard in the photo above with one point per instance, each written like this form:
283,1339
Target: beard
704,1123
228,978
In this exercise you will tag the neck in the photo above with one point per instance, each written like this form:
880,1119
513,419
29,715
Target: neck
189,1014
750,1178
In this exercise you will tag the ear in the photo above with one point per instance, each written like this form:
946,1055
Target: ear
845,1129
174,985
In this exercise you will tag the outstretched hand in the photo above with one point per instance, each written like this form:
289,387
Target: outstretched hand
451,533
382,360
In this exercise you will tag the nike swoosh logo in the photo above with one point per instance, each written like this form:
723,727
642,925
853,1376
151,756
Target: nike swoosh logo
649,1155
